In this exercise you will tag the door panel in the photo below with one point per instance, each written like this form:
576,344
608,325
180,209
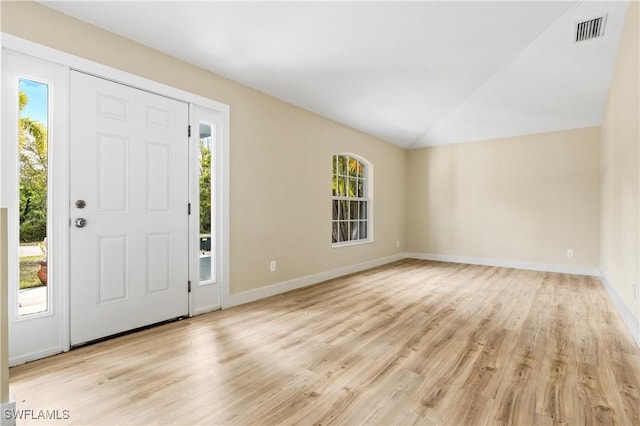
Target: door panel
129,164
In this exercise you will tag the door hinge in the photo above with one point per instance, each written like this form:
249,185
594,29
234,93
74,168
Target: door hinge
189,286
189,131
189,208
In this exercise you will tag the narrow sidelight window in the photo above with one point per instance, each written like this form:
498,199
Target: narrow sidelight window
33,212
207,209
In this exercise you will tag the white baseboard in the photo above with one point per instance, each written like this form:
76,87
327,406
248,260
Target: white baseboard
7,410
35,355
564,269
627,317
272,290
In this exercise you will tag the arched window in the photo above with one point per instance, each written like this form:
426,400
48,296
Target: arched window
351,200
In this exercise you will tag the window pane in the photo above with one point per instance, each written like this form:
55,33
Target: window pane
363,209
354,230
334,232
360,193
353,167
360,169
342,165
334,186
344,231
352,188
206,205
353,210
343,214
33,144
342,190
335,164
363,230
336,206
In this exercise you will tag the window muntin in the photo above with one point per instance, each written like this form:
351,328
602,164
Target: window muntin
350,200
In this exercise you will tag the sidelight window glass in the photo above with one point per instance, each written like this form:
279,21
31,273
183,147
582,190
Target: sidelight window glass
207,207
33,192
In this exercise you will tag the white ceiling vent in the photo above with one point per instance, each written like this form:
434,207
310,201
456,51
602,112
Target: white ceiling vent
591,28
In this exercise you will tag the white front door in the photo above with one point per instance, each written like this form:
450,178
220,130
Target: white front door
129,197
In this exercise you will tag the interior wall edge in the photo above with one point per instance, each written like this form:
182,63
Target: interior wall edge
620,170
625,313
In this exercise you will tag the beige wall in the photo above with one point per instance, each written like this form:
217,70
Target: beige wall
521,199
620,240
280,157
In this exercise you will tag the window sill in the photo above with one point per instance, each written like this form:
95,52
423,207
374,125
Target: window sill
350,243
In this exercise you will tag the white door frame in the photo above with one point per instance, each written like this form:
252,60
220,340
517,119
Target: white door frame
60,226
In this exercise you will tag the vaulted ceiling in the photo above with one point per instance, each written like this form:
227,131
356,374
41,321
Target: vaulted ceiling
411,73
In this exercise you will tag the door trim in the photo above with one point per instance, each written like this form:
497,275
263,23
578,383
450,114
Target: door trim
29,48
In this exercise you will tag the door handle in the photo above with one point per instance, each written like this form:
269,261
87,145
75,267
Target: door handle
81,222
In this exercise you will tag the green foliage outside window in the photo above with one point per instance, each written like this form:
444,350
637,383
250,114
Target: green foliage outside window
32,139
205,188
350,202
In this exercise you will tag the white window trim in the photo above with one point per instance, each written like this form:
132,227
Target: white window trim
369,199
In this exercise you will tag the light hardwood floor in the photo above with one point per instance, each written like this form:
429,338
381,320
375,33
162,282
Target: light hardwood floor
411,342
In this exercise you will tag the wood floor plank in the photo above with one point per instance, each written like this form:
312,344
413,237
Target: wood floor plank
413,342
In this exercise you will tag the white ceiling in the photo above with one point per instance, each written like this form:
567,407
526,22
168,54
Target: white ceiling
411,73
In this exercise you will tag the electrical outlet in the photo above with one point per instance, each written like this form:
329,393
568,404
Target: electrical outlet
569,252
272,266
